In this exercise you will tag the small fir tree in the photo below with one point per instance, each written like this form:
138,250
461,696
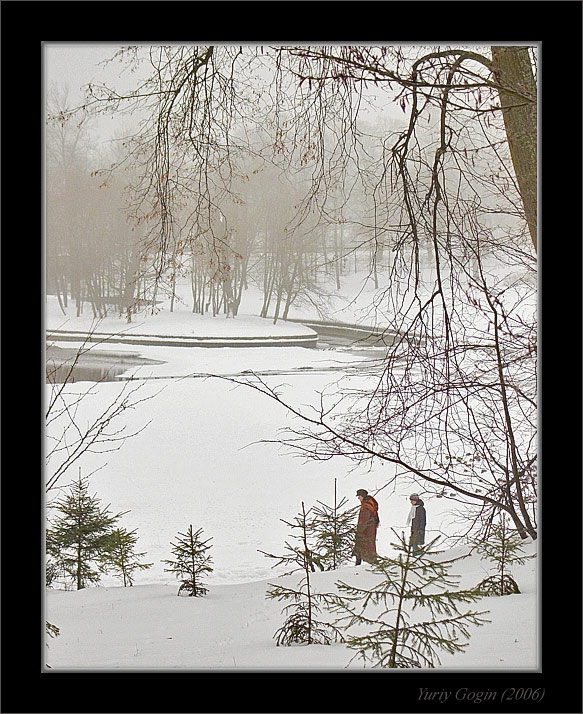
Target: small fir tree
301,625
335,532
504,547
191,562
119,557
297,557
392,638
79,536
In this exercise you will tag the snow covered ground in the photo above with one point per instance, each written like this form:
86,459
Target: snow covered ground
232,627
206,459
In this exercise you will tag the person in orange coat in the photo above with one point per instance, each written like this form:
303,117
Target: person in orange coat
366,528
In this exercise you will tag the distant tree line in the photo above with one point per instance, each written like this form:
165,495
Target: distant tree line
100,255
91,249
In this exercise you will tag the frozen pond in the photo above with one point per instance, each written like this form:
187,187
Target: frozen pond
96,365
90,366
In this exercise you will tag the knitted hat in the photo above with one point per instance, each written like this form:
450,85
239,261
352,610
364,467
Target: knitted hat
414,497
362,492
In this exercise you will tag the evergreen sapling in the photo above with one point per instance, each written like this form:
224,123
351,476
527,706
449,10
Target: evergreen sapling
119,556
192,562
297,557
78,537
301,625
504,547
335,532
386,632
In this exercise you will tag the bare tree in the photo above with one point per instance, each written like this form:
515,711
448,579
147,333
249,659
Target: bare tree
459,85
450,192
461,385
68,435
91,248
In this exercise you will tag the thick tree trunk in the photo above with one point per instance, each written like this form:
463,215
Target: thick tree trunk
513,71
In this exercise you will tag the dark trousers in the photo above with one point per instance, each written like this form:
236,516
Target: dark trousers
417,540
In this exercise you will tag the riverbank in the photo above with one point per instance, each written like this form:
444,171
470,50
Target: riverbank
174,329
170,345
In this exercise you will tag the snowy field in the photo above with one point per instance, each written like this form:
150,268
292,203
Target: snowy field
203,460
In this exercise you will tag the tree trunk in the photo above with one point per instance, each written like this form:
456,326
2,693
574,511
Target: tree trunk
513,71
268,280
291,294
337,257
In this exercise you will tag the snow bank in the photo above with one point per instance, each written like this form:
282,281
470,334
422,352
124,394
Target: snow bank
179,324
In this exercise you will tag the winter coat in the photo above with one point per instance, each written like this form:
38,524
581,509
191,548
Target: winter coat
366,530
418,524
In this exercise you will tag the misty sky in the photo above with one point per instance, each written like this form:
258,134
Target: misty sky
73,65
